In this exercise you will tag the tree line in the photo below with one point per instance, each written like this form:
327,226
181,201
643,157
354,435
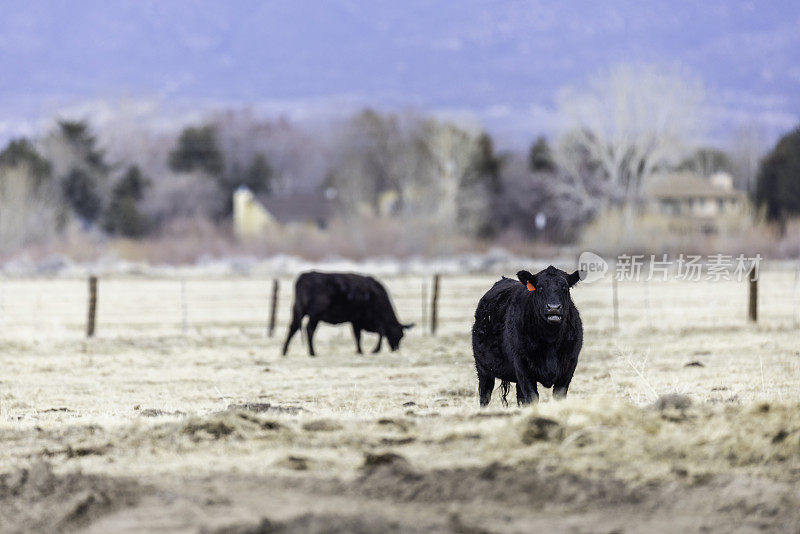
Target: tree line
429,175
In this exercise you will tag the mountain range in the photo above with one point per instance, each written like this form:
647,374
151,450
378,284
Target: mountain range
500,63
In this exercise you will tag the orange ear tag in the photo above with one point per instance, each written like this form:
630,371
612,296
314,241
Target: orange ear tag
530,287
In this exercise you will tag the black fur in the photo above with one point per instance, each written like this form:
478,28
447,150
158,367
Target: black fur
337,298
513,339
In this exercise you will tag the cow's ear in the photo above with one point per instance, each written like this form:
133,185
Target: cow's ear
574,278
408,326
527,279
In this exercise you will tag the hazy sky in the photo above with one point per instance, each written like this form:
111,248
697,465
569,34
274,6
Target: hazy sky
502,62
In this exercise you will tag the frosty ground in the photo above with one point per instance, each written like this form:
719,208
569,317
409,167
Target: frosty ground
686,418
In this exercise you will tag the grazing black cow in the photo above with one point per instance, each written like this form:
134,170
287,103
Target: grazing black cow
527,331
337,298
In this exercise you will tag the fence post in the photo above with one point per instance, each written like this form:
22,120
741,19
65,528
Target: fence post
435,304
274,307
752,311
184,308
92,306
615,302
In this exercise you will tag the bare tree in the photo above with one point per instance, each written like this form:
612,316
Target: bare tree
182,196
707,161
369,159
632,121
450,152
296,155
412,168
28,213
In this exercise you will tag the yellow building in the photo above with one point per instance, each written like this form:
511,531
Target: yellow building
253,216
250,218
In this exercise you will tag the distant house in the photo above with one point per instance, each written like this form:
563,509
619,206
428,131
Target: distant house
692,202
249,216
252,215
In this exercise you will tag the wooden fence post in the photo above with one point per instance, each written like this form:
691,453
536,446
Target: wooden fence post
274,307
615,301
435,304
752,310
90,320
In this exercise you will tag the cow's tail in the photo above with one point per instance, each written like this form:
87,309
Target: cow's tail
505,386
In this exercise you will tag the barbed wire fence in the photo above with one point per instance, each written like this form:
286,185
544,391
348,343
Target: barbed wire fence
443,305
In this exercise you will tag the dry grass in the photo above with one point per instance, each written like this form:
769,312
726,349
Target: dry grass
190,240
219,417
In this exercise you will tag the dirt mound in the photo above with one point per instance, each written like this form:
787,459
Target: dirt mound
230,423
390,476
265,407
322,425
541,429
323,524
34,499
155,412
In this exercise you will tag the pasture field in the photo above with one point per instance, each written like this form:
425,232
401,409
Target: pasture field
181,415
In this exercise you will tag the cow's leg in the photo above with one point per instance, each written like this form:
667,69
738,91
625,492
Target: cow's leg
297,321
485,388
310,327
357,335
526,390
562,384
377,348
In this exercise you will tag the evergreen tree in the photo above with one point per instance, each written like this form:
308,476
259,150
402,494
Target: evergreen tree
778,185
540,157
123,216
21,152
84,145
486,165
259,175
80,192
198,150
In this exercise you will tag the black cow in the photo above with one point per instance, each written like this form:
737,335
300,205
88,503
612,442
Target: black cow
337,298
527,331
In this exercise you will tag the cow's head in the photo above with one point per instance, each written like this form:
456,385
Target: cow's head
549,292
395,333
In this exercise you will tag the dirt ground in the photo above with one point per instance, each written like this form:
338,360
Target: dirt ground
687,419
